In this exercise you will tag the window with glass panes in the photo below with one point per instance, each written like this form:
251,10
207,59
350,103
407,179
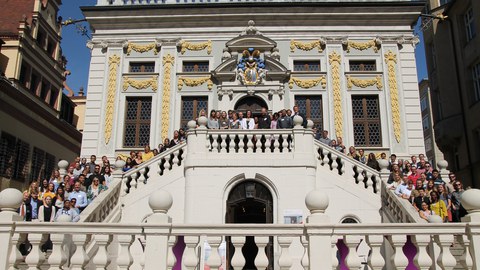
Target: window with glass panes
191,107
476,82
7,155
469,21
37,171
363,65
142,67
138,114
195,66
366,121
311,107
306,65
22,155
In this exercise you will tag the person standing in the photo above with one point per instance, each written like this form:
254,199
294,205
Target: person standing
264,121
81,196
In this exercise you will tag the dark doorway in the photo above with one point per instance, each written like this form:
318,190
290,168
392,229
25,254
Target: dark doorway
249,202
252,103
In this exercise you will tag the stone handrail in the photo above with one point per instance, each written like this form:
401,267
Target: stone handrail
398,209
100,208
349,167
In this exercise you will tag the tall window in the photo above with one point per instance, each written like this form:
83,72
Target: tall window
37,171
142,67
191,107
366,121
476,82
7,155
138,116
470,24
306,65
21,164
311,107
195,66
363,65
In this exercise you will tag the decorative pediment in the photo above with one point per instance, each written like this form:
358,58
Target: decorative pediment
276,71
226,70
258,42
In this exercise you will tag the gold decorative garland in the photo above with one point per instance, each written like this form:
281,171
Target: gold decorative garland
142,48
305,46
391,61
143,84
307,83
186,45
113,63
168,62
361,46
194,82
335,61
364,83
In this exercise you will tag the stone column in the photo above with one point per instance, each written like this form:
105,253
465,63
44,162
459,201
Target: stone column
442,169
10,201
319,234
384,172
156,236
471,203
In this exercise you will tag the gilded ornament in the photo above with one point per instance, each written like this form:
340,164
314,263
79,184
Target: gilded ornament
364,83
168,61
335,61
140,84
302,83
194,82
361,46
141,48
305,46
391,61
113,63
186,45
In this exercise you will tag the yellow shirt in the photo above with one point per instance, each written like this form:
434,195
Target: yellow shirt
147,156
439,208
48,193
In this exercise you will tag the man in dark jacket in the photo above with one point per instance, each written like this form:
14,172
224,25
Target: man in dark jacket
264,120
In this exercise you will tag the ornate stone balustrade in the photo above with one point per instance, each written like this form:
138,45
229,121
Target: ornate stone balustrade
323,245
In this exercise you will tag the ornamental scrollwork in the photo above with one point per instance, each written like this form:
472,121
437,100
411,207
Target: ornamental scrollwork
113,63
361,46
168,61
140,84
306,84
194,82
364,83
391,61
142,48
335,61
306,46
186,45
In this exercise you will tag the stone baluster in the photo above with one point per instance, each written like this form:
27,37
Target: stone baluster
190,259
319,235
208,143
333,159
15,255
368,181
171,259
445,259
238,261
62,167
333,245
422,260
175,158
305,260
166,165
323,155
442,169
58,257
215,143
261,261
141,179
465,260
133,183
223,143
250,143
124,259
231,145
399,261
342,163
156,248
215,261
80,257
285,260
101,258
36,257
384,171
352,260
376,261
276,144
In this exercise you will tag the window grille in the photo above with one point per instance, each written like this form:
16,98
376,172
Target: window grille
311,107
366,121
142,67
7,155
49,164
309,66
21,160
37,171
363,65
138,115
191,107
189,66
470,24
476,82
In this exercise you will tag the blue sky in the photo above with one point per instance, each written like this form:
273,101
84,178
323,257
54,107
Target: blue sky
78,55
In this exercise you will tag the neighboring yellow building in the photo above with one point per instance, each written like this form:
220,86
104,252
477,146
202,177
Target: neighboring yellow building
36,127
453,60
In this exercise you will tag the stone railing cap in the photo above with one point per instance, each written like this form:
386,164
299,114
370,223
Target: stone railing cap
63,164
316,201
160,201
471,200
10,199
297,120
310,124
192,124
202,121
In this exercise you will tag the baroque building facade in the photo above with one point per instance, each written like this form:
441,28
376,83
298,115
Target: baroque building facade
350,68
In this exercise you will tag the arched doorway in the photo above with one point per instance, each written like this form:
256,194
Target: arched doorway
249,202
252,103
